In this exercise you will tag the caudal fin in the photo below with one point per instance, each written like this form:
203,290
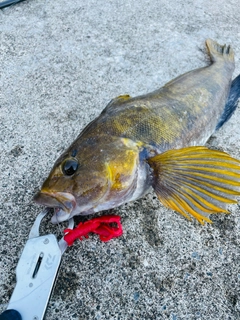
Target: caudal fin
218,52
232,102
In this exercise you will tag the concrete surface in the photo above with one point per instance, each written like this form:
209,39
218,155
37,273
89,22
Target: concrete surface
61,62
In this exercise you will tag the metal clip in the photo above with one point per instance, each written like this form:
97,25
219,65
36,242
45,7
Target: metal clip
36,272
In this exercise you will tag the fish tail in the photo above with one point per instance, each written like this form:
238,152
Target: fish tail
232,102
218,52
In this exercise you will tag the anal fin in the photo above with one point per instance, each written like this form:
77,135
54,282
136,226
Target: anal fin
196,181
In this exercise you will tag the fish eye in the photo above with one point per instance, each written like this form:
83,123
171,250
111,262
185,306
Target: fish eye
70,166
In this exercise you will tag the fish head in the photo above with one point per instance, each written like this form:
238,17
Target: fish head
94,176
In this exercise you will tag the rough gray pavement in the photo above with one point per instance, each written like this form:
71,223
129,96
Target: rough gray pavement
61,62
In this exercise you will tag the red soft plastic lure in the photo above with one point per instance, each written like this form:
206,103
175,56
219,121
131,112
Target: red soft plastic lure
107,227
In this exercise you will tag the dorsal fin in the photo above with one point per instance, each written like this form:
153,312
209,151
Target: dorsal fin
116,102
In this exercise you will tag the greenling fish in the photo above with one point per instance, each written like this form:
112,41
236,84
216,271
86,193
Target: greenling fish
154,140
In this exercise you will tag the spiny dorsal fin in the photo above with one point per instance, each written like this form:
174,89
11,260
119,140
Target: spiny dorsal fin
196,181
116,102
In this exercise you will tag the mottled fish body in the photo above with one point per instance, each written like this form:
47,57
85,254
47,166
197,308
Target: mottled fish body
152,141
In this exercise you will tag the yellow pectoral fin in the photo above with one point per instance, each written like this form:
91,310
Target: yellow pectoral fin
196,180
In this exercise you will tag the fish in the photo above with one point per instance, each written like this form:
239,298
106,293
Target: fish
154,141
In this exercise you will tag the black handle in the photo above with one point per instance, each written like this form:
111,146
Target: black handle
10,315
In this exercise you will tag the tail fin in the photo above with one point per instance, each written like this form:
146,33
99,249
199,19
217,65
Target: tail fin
232,102
218,52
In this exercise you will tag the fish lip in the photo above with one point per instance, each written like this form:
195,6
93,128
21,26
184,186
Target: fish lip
63,203
60,215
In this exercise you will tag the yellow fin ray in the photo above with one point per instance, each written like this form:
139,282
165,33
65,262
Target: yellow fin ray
196,180
194,164
217,187
209,177
212,170
174,205
179,204
196,205
201,204
204,191
187,207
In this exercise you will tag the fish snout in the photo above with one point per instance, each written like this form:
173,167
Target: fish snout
63,202
45,199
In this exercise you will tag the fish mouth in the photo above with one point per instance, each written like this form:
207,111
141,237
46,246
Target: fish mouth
63,203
